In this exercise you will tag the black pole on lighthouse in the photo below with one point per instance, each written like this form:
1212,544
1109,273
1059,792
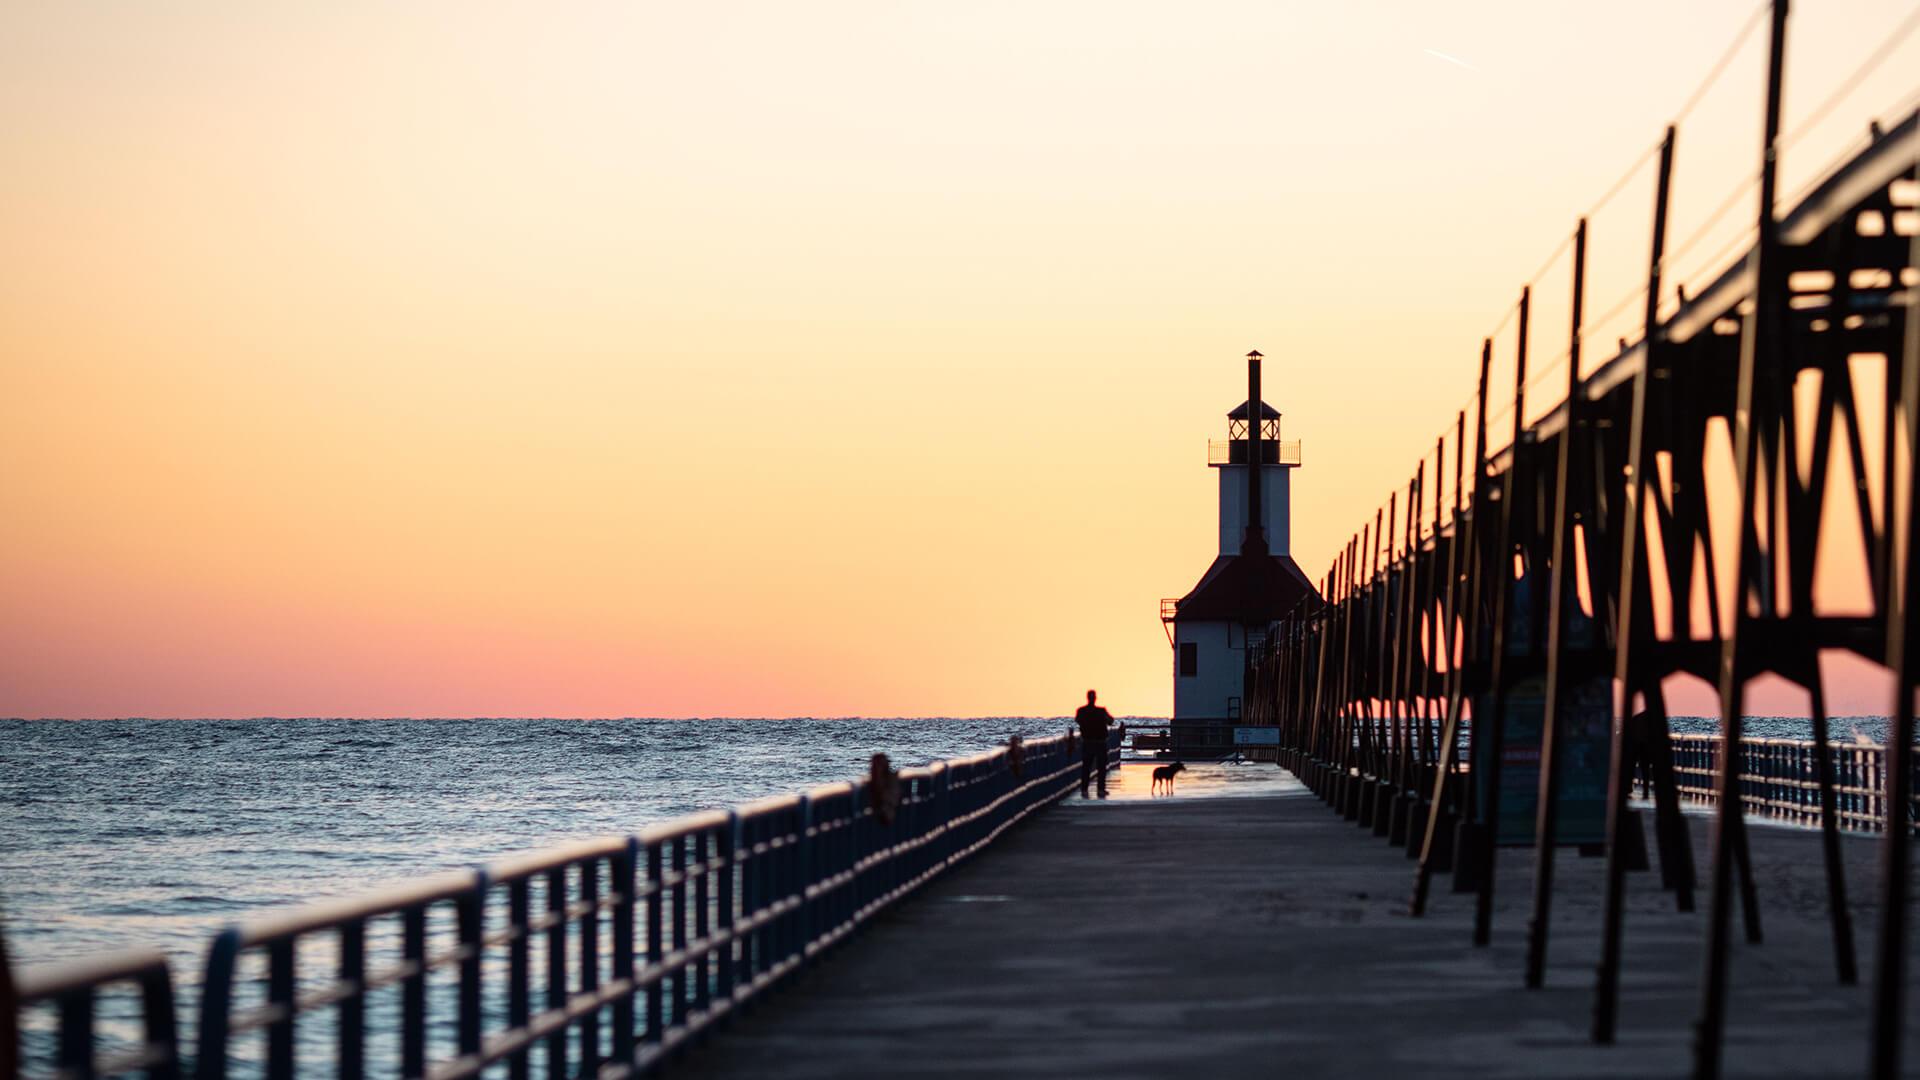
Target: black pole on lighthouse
1254,546
1255,542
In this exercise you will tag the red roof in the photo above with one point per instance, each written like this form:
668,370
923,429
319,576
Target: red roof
1247,589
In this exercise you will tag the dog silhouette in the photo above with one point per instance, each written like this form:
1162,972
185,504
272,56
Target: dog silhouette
1163,777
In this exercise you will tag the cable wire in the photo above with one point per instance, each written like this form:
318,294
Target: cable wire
1621,184
1672,257
1713,76
1625,302
1852,83
1720,67
1713,219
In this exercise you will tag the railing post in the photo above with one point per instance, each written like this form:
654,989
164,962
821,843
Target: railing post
728,841
849,904
704,852
626,1044
814,906
156,1001
752,898
472,908
557,966
519,972
765,866
9,1015
76,1034
588,959
796,871
413,993
280,996
949,840
656,983
862,826
678,930
216,1006
352,1033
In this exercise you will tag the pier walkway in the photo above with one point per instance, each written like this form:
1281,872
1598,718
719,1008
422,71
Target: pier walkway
1259,935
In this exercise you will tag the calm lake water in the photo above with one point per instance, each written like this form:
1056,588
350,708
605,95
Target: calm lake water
156,832
1841,729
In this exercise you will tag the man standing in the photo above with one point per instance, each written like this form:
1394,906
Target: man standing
1094,722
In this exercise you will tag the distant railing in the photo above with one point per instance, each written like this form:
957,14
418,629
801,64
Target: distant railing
599,958
1220,452
1778,780
1204,738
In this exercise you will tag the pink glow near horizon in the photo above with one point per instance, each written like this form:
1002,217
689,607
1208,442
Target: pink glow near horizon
629,360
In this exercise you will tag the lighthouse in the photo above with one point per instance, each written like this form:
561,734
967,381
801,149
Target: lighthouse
1252,583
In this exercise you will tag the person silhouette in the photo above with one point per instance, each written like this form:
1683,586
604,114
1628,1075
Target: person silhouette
1094,722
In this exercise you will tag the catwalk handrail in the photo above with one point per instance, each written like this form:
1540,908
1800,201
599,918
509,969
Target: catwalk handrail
643,941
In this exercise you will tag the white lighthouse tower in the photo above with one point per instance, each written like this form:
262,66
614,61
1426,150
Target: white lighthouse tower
1252,583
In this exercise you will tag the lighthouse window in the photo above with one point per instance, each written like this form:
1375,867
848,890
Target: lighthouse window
1189,658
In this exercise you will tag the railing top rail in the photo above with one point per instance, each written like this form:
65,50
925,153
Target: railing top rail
831,791
685,825
1713,737
50,981
534,862
772,804
328,914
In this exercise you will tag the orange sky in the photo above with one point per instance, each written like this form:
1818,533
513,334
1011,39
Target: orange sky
617,359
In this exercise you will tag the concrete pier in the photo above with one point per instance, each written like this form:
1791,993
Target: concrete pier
1242,929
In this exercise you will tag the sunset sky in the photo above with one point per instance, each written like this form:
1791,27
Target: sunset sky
606,359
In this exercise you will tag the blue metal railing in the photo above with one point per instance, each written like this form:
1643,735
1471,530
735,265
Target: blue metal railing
599,958
72,991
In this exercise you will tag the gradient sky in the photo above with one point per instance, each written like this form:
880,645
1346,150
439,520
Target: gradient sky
765,359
